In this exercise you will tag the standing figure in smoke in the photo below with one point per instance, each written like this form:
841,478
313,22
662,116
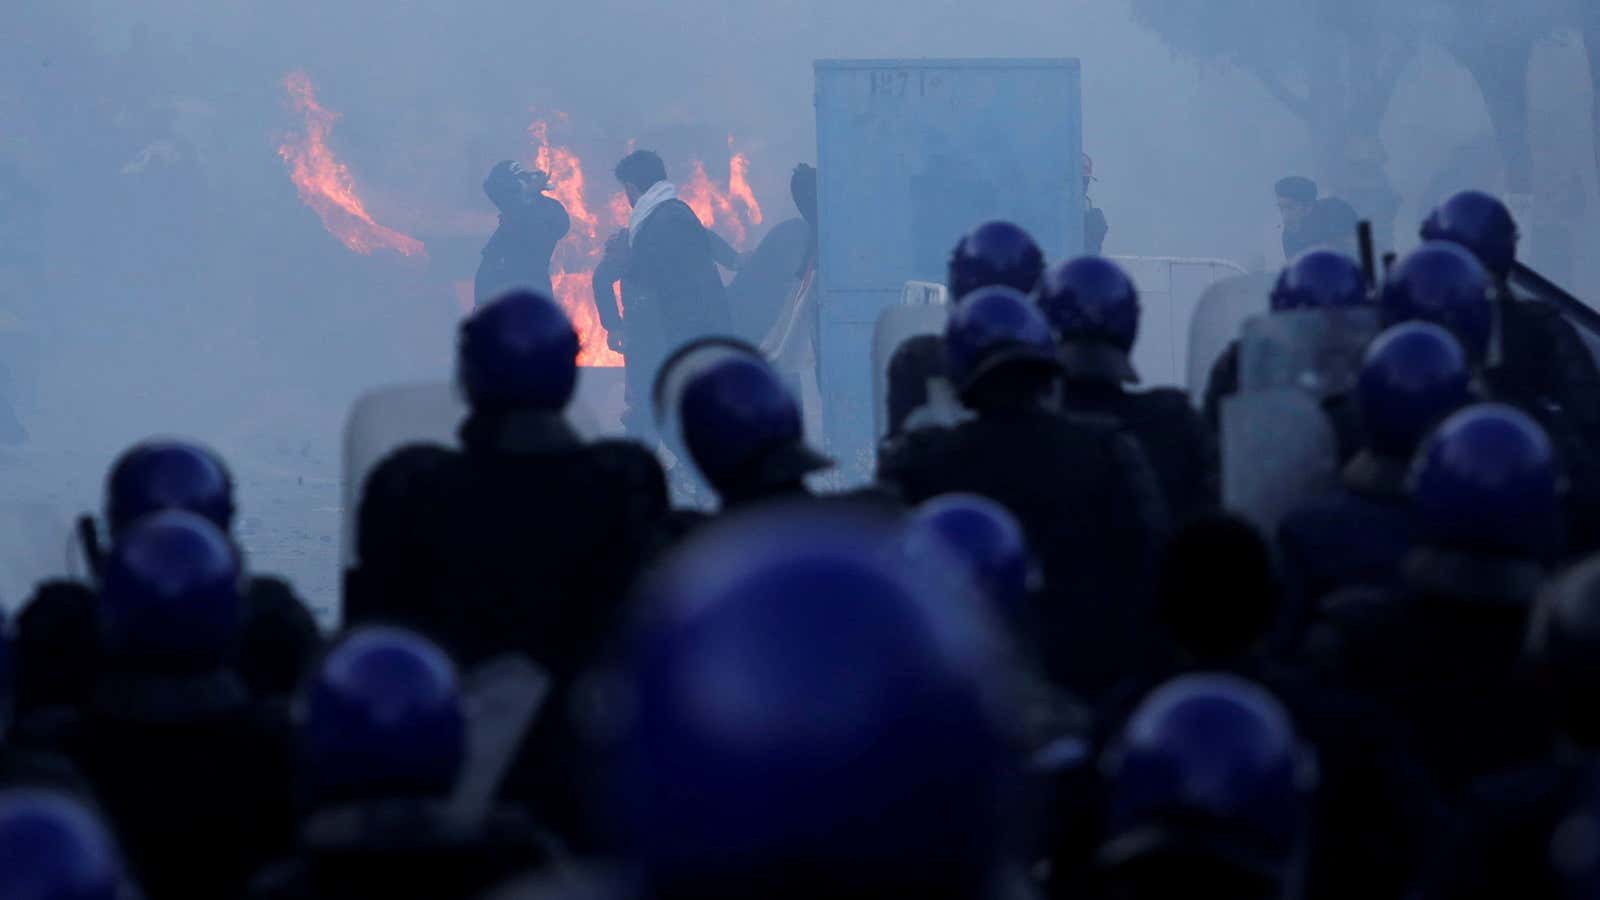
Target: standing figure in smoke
671,290
531,224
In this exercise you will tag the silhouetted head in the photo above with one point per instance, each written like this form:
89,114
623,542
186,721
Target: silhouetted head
994,253
639,171
1217,591
517,352
168,474
1481,224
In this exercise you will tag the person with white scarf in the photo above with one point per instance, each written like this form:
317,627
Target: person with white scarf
672,292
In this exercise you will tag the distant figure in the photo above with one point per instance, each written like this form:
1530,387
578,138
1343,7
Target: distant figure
1095,227
769,277
531,224
1297,199
1332,226
671,290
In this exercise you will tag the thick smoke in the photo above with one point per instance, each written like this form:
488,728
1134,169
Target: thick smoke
183,287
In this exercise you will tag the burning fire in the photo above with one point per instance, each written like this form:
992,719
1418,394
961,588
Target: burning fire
324,183
732,210
572,266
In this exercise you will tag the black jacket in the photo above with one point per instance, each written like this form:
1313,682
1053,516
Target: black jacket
1180,448
526,542
518,253
672,289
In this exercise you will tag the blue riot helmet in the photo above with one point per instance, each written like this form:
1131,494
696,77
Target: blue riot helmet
53,848
1486,482
1093,307
168,474
1481,224
985,539
995,330
517,352
170,595
1443,284
1413,376
1208,766
1319,279
382,717
743,427
994,253
808,717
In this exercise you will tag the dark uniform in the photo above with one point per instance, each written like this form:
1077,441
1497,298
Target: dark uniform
1181,450
1443,656
518,253
1356,536
526,541
401,848
672,293
1093,512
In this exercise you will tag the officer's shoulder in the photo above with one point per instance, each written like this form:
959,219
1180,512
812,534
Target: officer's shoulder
626,460
57,607
1171,401
416,457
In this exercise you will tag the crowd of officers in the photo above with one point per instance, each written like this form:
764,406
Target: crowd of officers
1033,659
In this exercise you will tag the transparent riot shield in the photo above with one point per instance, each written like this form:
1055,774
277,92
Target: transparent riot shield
384,420
1218,315
1318,351
1278,451
895,326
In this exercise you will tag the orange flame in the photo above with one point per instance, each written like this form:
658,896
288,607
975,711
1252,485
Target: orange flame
720,209
572,267
324,183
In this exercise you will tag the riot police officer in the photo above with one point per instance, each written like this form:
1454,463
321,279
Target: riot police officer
1441,282
1444,652
525,539
1414,375
1093,308
1086,496
1535,360
192,772
278,637
729,410
1509,837
381,745
1210,793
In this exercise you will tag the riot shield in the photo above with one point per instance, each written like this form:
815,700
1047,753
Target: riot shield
895,326
1318,351
386,419
1218,315
1278,451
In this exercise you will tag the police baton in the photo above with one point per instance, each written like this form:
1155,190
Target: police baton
1369,259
